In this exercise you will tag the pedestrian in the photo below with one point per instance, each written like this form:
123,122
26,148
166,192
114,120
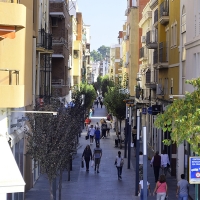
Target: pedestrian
87,122
103,129
161,188
97,136
97,102
97,157
87,155
96,125
101,103
90,112
134,136
91,133
119,162
182,188
93,110
108,127
141,191
156,162
140,165
165,163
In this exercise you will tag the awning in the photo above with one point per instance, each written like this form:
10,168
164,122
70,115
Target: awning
17,135
57,14
11,179
7,32
57,55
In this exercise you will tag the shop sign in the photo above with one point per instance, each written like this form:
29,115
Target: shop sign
194,170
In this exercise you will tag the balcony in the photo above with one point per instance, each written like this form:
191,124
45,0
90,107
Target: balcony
151,40
155,57
126,12
163,55
44,40
153,4
143,54
149,83
156,18
59,86
164,12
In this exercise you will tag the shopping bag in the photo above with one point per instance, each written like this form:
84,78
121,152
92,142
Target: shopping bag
92,163
82,164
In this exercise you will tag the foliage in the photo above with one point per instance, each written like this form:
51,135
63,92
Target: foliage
105,84
53,138
90,94
182,118
101,53
95,56
114,102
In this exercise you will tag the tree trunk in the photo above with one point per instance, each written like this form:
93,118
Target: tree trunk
60,184
51,190
117,129
68,171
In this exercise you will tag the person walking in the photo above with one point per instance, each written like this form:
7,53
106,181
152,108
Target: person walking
96,125
87,122
97,157
164,162
182,188
87,155
140,165
161,188
119,162
103,129
91,133
97,135
141,191
97,102
156,162
101,103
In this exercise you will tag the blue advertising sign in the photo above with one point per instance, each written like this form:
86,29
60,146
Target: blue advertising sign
149,110
194,170
144,111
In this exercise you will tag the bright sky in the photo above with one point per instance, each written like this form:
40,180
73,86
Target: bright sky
106,18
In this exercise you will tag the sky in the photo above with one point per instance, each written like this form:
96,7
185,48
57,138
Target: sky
106,18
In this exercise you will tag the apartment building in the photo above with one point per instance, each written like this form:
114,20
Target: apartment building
16,46
60,29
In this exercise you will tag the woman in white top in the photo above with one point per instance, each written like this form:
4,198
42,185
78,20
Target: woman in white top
119,161
91,133
141,189
164,162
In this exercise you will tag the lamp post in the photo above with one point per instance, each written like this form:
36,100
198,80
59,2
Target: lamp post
126,133
144,162
137,153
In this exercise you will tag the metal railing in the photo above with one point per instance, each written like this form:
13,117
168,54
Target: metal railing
155,56
11,72
44,39
163,52
156,16
151,37
164,8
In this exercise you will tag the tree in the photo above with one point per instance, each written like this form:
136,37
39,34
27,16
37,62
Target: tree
105,84
182,119
90,94
53,140
104,51
114,102
96,56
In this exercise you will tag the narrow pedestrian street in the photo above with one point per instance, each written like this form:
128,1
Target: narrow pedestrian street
105,185
90,185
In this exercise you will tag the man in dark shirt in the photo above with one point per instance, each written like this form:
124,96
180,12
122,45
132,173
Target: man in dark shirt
97,135
156,162
97,157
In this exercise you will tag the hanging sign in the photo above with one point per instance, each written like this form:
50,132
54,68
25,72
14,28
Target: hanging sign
194,170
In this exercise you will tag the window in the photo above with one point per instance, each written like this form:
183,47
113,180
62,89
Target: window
54,22
183,20
174,34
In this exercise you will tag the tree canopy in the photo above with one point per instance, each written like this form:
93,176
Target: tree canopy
182,118
101,53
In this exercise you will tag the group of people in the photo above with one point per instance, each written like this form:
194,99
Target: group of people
98,101
161,190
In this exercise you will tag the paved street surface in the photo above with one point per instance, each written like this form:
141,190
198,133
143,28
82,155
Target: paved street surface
103,186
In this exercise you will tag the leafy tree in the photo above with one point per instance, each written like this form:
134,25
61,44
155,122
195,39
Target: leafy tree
105,84
114,102
90,94
182,118
53,140
104,51
96,56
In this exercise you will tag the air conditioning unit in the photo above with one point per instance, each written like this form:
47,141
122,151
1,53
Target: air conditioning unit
126,37
126,64
159,89
143,39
